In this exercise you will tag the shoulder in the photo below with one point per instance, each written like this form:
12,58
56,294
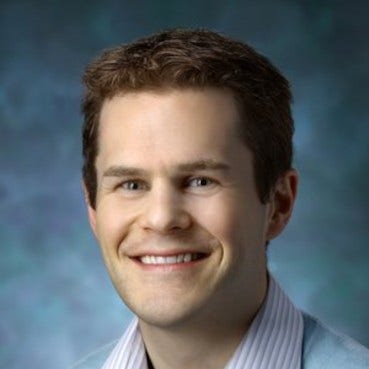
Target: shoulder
325,349
95,359
129,342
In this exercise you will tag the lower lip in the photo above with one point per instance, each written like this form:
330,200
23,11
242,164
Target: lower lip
169,267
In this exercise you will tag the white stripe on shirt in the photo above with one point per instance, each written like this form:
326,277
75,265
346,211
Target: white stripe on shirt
274,339
129,353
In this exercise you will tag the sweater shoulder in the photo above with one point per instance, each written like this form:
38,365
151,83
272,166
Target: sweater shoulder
95,359
323,348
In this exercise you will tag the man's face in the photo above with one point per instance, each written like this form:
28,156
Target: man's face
180,225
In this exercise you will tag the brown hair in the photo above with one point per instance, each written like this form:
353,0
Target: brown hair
197,59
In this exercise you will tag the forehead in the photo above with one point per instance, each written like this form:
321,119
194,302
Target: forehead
178,123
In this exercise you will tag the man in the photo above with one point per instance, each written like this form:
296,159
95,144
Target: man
187,147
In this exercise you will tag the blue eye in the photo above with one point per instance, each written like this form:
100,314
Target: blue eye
133,185
200,182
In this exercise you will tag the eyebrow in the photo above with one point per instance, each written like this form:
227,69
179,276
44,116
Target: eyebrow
206,164
198,165
121,171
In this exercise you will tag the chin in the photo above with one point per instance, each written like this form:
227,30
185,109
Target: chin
165,314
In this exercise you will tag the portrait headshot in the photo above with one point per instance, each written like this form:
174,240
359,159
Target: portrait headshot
184,185
188,177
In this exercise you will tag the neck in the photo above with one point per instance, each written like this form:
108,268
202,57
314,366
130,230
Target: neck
186,350
208,341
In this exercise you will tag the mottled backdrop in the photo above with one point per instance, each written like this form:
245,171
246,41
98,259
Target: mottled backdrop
55,298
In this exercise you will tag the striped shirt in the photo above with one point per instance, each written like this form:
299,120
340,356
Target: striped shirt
274,339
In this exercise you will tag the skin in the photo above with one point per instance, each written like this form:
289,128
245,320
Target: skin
174,177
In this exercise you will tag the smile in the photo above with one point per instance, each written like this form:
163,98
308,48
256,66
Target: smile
173,259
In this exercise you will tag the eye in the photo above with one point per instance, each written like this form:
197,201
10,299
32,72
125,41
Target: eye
133,185
200,182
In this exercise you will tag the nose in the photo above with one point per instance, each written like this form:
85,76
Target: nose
164,212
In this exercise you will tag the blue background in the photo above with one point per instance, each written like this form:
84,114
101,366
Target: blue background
56,300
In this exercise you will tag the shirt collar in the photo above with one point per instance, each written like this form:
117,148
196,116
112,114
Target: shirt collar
129,353
274,339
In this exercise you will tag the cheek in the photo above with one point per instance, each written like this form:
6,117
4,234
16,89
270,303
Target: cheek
219,217
111,225
237,223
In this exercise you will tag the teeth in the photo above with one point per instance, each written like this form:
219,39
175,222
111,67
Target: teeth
187,258
174,259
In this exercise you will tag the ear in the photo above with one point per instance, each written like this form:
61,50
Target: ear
281,203
90,210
